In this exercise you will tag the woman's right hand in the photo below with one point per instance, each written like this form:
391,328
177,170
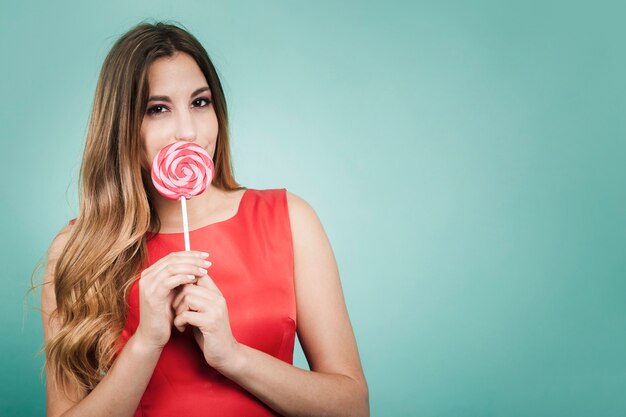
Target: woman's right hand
156,294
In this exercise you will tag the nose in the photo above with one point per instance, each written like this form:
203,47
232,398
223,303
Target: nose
185,126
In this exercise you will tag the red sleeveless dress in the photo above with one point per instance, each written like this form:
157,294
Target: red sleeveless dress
252,258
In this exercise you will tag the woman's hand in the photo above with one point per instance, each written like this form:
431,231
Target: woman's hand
156,286
204,307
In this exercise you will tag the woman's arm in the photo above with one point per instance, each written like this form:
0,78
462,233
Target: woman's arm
119,392
336,385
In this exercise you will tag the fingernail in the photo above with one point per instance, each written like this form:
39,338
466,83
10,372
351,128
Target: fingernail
205,254
191,277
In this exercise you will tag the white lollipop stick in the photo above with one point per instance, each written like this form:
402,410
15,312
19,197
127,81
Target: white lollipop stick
183,202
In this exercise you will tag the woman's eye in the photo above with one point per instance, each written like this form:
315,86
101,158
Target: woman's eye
201,102
203,99
154,109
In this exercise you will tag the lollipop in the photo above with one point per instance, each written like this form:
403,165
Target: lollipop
180,171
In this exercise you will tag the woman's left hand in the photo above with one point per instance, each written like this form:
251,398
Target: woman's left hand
204,307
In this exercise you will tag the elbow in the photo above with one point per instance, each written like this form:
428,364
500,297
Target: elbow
364,400
361,398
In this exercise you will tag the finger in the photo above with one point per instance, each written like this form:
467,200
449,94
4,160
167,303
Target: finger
181,269
204,292
182,260
181,328
168,284
181,254
189,289
192,253
178,299
173,294
212,296
206,281
178,257
192,302
189,317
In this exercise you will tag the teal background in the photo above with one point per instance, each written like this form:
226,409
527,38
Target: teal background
466,159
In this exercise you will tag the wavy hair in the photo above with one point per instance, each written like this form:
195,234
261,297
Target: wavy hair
107,246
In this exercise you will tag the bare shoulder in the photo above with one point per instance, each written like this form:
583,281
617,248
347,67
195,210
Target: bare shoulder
308,234
295,199
301,213
59,242
55,250
48,299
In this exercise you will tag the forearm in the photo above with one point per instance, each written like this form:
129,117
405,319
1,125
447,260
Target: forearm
119,392
292,391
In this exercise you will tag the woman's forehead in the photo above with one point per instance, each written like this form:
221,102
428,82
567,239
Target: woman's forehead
178,74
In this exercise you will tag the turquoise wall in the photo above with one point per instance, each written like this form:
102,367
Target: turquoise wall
467,160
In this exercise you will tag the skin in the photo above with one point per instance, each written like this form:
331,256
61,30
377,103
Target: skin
335,385
185,117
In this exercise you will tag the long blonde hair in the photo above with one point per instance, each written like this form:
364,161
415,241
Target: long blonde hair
107,246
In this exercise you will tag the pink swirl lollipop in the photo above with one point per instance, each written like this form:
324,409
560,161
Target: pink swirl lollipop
182,169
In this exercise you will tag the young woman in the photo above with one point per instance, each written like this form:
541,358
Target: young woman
135,325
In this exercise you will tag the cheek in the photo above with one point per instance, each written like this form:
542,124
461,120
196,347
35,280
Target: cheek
212,124
150,141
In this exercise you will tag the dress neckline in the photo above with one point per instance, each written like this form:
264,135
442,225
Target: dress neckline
241,200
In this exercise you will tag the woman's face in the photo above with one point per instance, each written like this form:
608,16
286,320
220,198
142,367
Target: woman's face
179,106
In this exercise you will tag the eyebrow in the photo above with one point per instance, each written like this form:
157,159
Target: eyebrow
166,98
